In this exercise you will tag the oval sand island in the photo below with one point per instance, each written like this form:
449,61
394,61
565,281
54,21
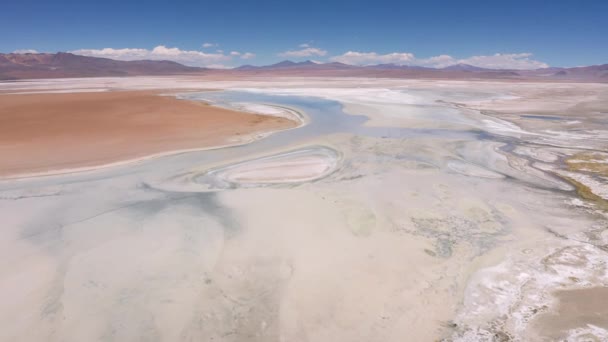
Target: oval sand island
296,166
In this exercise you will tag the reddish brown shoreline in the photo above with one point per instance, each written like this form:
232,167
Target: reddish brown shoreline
44,132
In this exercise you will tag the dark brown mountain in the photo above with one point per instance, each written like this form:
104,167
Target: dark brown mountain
335,69
306,65
464,67
47,65
597,73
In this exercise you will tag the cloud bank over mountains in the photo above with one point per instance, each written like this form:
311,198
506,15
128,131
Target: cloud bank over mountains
518,61
216,59
25,51
497,61
305,50
221,59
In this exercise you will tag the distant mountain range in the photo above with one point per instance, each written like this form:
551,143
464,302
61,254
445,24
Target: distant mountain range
310,65
306,65
62,64
45,65
596,73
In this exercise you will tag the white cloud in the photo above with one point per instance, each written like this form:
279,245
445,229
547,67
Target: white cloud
505,61
242,55
186,57
367,58
496,61
247,55
306,51
218,66
25,51
440,61
208,45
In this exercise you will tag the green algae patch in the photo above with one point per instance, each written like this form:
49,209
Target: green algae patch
592,162
585,192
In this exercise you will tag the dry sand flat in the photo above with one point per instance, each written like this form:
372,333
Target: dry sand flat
41,132
579,315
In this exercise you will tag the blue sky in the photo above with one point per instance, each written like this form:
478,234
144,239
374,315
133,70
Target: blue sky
524,34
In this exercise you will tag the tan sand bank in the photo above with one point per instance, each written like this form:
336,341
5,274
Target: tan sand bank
578,314
42,132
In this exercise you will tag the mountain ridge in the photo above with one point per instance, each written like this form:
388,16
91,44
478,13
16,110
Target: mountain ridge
15,66
65,64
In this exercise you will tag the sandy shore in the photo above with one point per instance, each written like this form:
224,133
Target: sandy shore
42,132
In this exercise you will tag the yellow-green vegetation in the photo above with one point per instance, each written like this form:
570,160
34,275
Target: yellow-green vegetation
593,162
586,193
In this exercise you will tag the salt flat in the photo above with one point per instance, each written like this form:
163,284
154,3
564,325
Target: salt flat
423,210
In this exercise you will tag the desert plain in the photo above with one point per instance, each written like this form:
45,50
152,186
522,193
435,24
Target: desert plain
303,209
